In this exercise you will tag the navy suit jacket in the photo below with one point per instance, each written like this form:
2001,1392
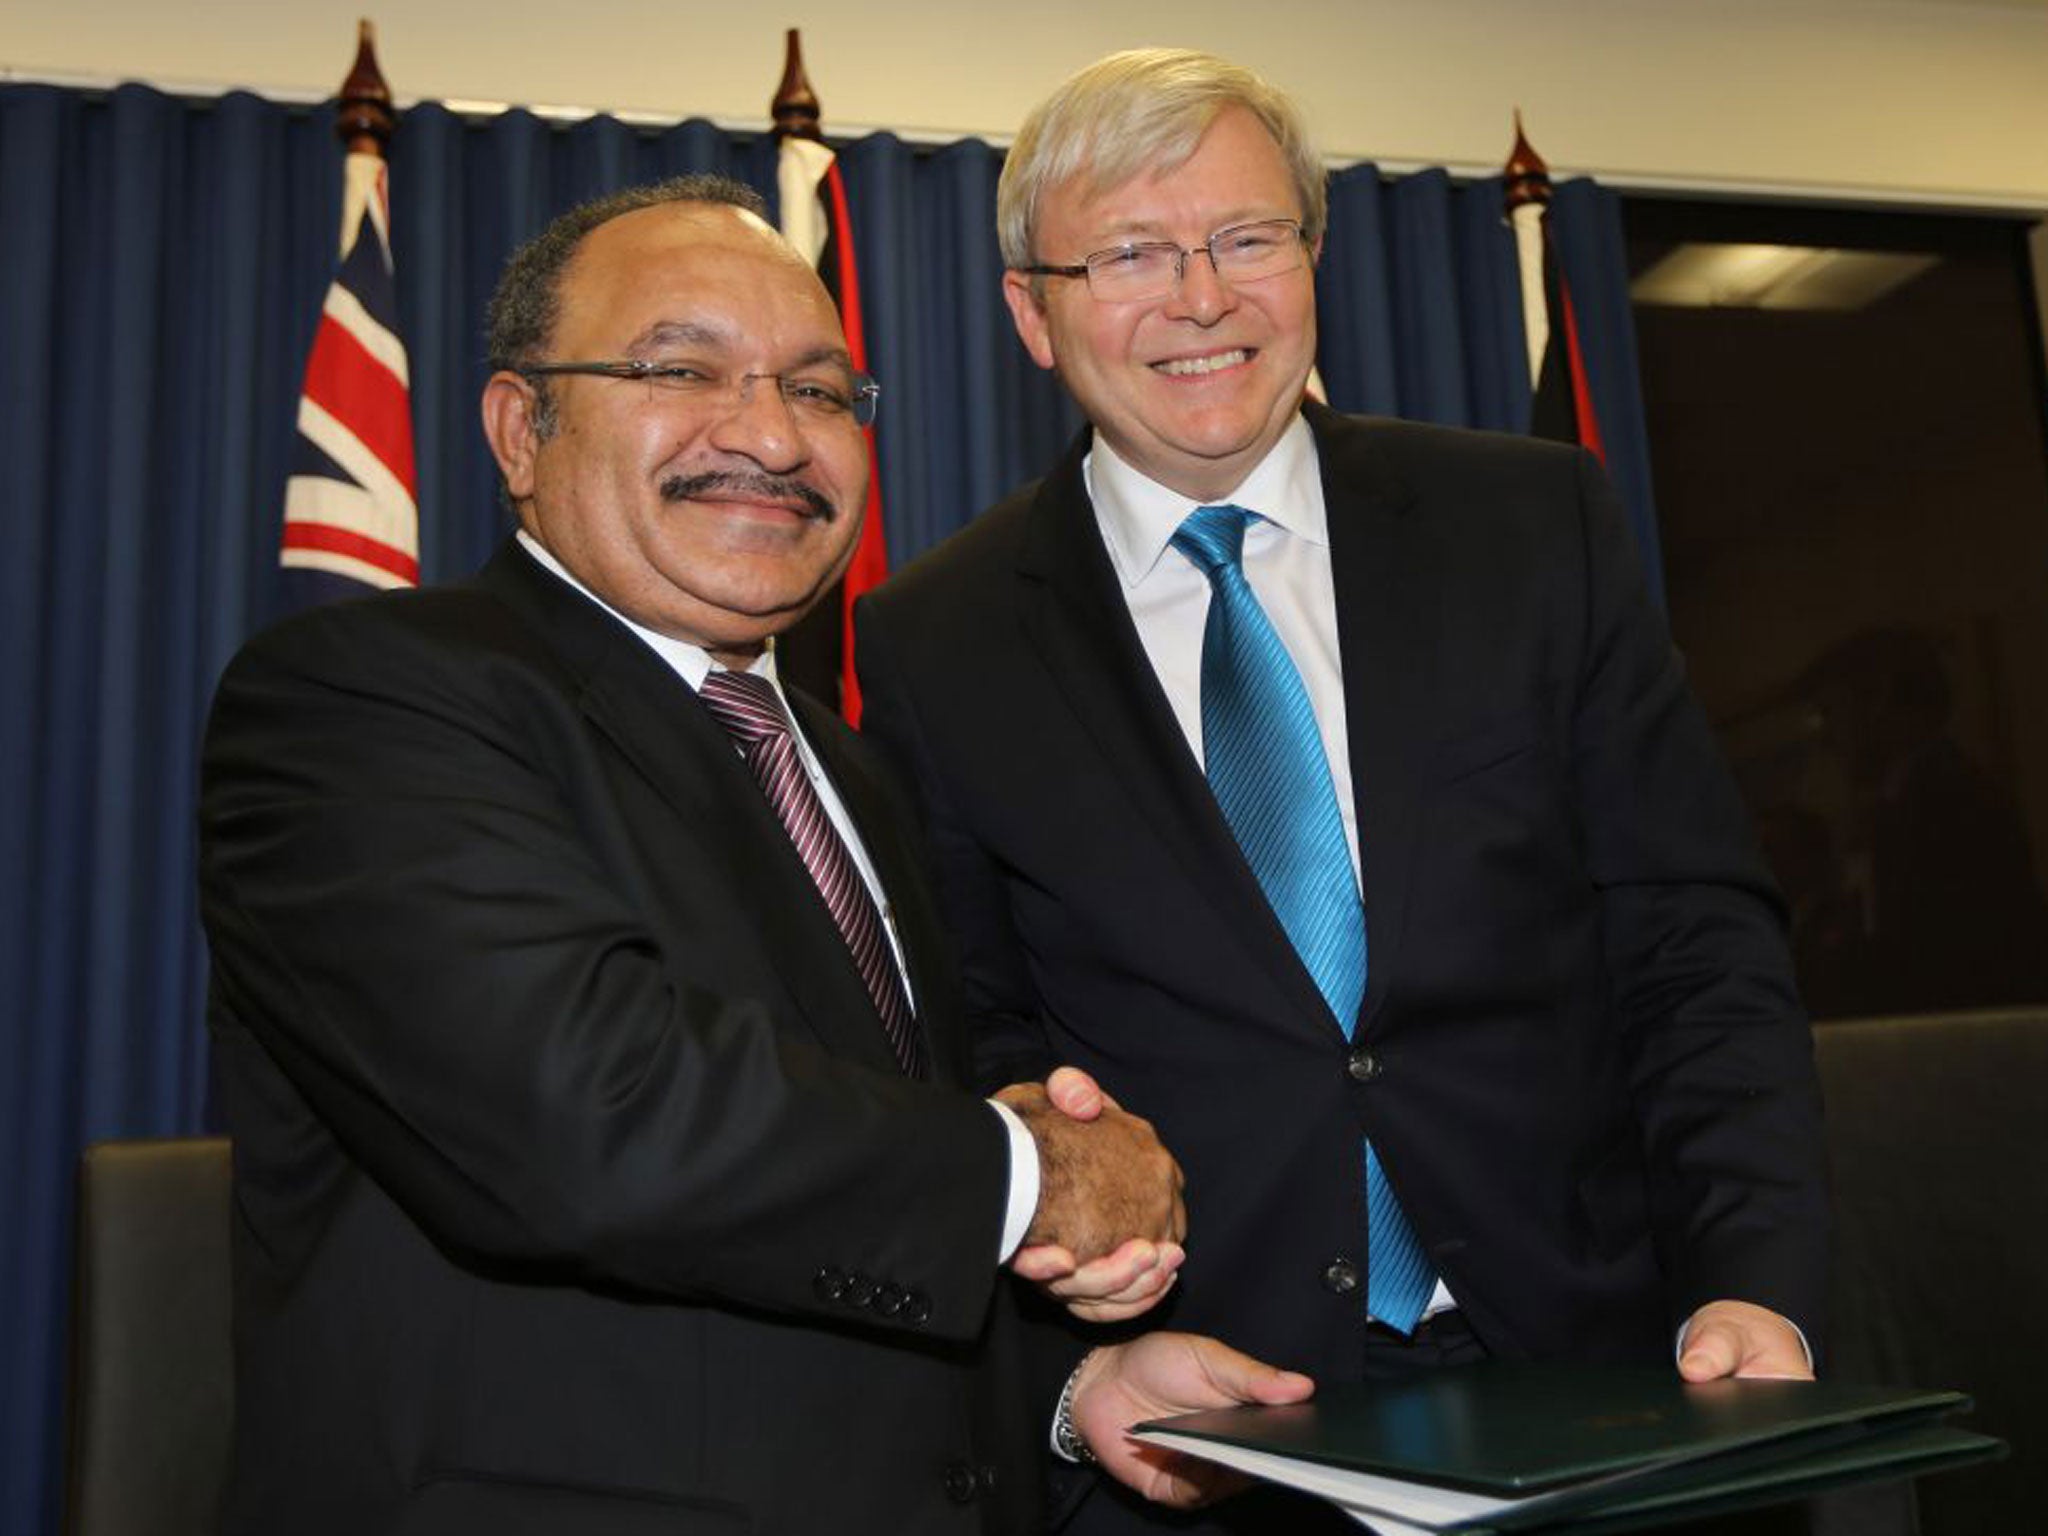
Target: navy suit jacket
576,1188
1580,1055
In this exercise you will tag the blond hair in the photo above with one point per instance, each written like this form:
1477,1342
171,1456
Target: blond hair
1139,112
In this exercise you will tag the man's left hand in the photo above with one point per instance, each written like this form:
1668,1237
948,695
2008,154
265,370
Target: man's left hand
1739,1338
1157,1374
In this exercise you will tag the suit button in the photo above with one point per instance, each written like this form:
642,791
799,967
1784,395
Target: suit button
889,1300
860,1290
1363,1065
1340,1277
961,1485
829,1284
986,1476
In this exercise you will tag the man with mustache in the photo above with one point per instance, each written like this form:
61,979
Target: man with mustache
1329,789
590,1056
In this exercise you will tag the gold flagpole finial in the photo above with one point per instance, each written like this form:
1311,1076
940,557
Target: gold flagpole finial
366,119
795,108
1525,178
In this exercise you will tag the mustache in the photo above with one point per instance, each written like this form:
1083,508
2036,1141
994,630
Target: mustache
749,487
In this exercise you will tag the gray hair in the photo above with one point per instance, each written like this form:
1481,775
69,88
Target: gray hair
1137,112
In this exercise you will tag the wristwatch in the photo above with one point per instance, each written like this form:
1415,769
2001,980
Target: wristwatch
1066,1439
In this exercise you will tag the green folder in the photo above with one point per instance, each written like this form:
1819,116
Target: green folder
1527,1448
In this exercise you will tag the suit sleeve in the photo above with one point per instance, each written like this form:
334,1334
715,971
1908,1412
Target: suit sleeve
1720,1054
408,913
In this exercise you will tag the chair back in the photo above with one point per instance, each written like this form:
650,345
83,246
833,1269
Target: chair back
152,1384
1940,1151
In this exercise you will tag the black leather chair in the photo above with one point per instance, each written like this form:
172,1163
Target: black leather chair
152,1385
1938,1133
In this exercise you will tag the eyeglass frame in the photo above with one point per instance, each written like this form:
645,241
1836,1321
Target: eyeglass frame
864,396
1085,267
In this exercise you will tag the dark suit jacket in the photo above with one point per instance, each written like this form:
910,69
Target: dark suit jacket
1580,1053
576,1187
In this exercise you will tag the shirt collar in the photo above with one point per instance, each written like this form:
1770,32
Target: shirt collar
1139,516
690,662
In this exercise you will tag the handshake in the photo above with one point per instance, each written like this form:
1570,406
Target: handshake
1106,1240
1106,1236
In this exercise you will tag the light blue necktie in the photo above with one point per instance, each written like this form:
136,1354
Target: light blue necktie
1265,762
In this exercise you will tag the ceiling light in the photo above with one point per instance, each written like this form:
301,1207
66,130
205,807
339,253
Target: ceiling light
1775,277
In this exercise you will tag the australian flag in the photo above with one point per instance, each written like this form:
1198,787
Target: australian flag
351,517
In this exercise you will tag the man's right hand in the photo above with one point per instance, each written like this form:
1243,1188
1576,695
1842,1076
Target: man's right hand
1103,1178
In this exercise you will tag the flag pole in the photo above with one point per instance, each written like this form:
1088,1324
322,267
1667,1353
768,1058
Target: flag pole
1561,396
795,109
365,118
812,196
351,514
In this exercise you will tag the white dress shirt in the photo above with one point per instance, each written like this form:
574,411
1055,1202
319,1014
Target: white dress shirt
1286,563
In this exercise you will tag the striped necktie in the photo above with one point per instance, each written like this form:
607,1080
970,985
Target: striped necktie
750,711
1264,758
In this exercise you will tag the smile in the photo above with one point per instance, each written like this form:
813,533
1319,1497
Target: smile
1187,367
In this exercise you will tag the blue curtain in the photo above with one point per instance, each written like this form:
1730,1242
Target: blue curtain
1421,315
164,264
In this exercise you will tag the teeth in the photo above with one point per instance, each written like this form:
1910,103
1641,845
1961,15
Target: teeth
1180,367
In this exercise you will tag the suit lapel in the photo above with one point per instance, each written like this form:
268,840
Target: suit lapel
657,724
1076,616
1388,621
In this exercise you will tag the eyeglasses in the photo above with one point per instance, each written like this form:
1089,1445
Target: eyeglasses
1145,269
820,397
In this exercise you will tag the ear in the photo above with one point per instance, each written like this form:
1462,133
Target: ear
508,405
1027,312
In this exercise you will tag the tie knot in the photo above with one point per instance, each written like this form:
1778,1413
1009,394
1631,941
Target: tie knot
745,704
1213,537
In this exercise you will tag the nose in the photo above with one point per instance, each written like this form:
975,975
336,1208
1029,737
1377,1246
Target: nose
1200,293
756,422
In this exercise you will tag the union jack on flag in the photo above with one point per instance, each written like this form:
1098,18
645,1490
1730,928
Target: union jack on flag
351,516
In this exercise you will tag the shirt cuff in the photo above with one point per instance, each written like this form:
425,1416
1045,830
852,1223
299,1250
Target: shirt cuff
1678,1344
1023,1182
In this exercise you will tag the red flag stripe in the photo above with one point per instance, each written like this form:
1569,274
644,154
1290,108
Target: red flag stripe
868,569
1582,391
848,276
870,565
345,379
355,546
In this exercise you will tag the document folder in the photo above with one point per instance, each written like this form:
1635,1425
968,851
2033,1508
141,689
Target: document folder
1539,1448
